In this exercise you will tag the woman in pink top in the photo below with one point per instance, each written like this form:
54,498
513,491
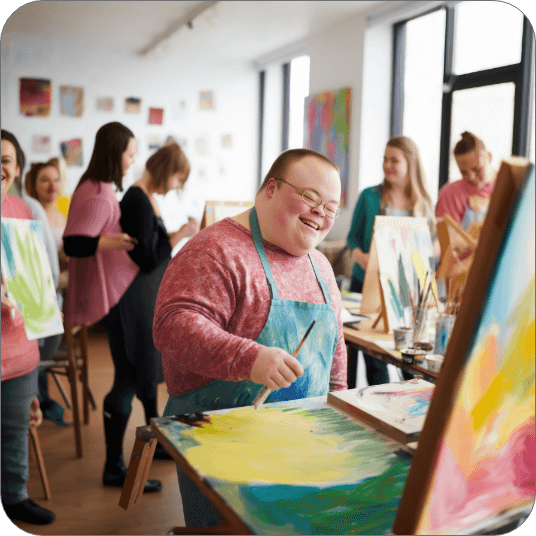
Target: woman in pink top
100,273
20,358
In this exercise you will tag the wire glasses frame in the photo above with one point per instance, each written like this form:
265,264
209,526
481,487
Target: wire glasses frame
313,200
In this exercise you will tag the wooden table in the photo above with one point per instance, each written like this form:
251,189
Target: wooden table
369,341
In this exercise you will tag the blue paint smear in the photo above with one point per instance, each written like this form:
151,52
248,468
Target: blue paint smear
7,253
368,506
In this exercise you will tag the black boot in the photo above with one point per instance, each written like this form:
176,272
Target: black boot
29,512
115,471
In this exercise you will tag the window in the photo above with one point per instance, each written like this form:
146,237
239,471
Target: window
282,90
299,89
423,82
463,66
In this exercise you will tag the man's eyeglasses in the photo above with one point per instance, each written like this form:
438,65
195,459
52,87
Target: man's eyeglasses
331,210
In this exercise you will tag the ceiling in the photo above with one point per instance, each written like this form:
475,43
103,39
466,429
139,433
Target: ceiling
237,30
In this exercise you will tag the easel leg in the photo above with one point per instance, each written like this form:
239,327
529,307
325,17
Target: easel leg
138,468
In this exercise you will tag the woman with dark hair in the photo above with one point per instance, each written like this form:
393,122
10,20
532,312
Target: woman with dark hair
167,169
20,358
100,273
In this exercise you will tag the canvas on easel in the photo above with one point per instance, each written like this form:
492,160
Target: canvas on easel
401,253
27,275
473,471
218,210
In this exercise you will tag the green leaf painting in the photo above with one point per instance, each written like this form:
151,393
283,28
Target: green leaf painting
28,277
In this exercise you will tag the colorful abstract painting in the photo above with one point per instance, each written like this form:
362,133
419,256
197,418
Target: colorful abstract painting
71,101
35,96
28,277
132,105
206,100
105,104
156,116
296,467
72,152
327,129
405,253
41,144
485,464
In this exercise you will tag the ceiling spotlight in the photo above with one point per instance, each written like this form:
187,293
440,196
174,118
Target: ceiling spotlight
190,24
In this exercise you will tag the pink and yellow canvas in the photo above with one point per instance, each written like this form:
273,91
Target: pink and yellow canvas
486,460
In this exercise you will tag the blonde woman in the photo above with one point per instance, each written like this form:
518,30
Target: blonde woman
402,193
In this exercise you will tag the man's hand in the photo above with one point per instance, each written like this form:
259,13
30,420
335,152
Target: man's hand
275,368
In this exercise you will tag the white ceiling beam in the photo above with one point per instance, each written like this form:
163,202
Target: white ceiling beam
175,26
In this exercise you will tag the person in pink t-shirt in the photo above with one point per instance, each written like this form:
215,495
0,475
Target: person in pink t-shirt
467,199
100,275
20,358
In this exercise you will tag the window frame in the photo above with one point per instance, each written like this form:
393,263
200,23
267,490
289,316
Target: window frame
518,73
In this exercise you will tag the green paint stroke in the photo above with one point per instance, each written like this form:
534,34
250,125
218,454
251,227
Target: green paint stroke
30,292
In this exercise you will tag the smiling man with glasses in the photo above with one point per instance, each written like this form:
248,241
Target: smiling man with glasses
237,299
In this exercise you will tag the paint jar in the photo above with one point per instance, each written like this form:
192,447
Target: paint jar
403,338
423,318
444,325
412,356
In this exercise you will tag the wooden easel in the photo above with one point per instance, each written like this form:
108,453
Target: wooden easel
138,470
373,301
452,269
218,210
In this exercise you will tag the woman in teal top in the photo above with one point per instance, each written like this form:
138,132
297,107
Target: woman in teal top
402,193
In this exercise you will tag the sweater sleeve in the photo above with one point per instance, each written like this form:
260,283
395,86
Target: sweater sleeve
80,246
451,201
357,228
138,220
195,303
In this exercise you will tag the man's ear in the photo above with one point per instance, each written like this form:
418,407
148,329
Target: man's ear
270,187
490,156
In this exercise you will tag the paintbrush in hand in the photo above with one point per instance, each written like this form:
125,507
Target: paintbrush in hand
263,395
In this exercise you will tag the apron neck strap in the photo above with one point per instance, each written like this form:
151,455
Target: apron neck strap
257,240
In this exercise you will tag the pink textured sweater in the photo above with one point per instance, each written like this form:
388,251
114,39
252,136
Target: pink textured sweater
455,198
95,283
19,355
214,301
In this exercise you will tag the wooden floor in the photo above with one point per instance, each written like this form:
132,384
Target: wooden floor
81,503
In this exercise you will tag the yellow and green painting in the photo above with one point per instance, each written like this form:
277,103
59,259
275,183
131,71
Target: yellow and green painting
486,459
28,278
296,467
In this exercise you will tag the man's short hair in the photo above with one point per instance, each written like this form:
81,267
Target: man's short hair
284,160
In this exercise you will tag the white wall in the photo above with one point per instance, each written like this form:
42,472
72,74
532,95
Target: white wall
223,174
349,54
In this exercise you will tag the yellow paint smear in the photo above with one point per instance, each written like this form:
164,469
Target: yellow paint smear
268,445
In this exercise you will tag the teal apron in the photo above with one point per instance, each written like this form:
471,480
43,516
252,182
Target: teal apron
285,327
